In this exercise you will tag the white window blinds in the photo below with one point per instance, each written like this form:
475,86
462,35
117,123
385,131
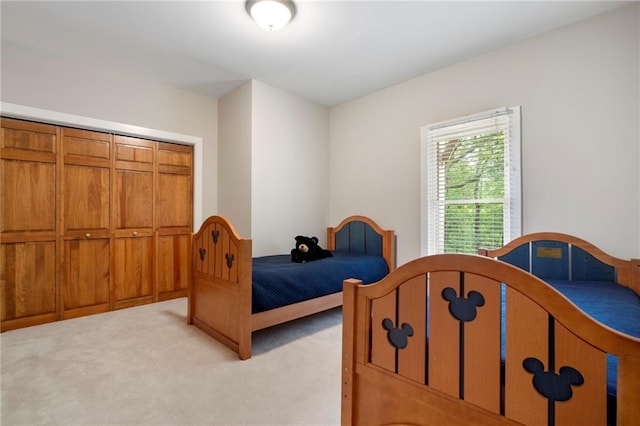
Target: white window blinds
471,182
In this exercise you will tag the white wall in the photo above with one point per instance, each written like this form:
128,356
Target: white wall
273,165
234,158
289,180
33,79
578,88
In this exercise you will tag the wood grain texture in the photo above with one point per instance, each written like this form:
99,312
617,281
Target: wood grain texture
80,224
29,155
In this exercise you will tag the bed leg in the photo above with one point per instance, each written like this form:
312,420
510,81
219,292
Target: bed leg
244,341
348,352
628,391
244,353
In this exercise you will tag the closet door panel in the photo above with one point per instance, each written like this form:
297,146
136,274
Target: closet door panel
28,273
28,198
174,195
133,200
87,148
86,276
85,225
133,265
174,267
86,195
28,140
174,219
174,201
134,183
133,274
28,219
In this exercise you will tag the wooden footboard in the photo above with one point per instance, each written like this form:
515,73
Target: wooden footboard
220,296
423,346
220,291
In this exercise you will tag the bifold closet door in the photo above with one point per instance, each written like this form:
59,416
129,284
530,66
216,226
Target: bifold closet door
28,253
133,197
86,185
90,222
174,219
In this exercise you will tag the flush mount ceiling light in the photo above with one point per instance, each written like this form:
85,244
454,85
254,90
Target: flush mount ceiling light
271,15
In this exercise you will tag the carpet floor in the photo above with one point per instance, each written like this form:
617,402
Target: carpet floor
147,366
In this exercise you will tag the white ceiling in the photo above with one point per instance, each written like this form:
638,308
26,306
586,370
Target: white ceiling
333,51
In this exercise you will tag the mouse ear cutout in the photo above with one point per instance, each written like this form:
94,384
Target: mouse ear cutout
476,298
533,365
574,376
449,294
408,330
387,324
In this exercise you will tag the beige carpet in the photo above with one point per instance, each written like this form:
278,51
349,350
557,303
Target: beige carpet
146,366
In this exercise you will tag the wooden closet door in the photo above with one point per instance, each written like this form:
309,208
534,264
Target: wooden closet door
85,227
133,196
28,253
174,219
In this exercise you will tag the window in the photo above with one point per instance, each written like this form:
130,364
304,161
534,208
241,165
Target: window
471,182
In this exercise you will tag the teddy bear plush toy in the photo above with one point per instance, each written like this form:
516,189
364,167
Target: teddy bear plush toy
307,249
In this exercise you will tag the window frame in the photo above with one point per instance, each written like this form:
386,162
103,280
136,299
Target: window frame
512,215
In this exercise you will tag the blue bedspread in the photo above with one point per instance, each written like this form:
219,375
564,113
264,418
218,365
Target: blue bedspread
611,304
277,281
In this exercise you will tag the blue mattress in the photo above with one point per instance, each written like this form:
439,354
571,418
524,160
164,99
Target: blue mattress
277,281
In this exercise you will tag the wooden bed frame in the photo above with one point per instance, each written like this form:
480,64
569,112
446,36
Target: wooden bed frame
220,295
393,374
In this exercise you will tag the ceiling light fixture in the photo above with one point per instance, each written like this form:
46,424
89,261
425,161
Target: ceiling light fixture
271,15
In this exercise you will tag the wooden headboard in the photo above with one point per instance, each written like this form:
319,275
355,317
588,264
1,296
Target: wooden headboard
361,235
558,256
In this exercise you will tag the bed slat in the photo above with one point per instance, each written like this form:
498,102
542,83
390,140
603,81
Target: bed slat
585,267
588,403
519,256
444,339
523,339
628,408
412,299
533,334
550,260
464,343
359,238
401,312
482,346
382,354
215,262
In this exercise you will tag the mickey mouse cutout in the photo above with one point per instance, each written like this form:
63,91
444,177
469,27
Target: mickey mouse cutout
554,387
398,337
463,309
